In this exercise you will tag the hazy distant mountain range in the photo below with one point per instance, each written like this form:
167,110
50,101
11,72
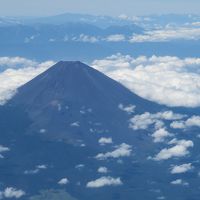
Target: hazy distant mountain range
86,37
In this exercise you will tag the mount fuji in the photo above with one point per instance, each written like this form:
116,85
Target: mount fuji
74,133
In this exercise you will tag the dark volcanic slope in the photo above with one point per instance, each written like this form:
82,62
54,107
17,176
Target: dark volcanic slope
73,92
54,127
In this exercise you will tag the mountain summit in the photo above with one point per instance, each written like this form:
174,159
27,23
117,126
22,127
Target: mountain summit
74,81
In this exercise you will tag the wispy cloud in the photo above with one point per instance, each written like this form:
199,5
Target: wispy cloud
115,38
167,34
179,182
84,38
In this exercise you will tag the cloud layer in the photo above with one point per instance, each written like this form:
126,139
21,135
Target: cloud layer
167,80
11,78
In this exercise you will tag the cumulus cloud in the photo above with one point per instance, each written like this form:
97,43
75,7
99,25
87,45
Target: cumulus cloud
122,150
2,150
190,122
178,169
104,181
63,181
146,119
129,109
142,121
104,141
41,166
177,125
160,135
193,121
11,192
166,80
11,79
102,170
168,34
179,149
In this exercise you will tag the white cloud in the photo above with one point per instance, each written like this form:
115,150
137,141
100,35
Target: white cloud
11,79
179,150
41,166
196,24
11,192
129,109
79,166
167,34
104,181
43,130
102,170
142,121
103,141
193,121
177,124
85,38
37,169
122,150
179,182
146,119
30,38
15,62
63,181
75,124
2,150
160,135
167,80
178,169
190,122
115,38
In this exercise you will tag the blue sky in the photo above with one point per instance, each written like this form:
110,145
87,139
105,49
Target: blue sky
106,7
